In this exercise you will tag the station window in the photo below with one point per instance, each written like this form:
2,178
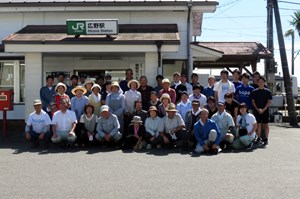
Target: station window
171,66
12,77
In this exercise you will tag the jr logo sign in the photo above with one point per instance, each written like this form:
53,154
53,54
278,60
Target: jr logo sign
76,27
92,27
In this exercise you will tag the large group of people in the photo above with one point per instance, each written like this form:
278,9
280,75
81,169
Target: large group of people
133,115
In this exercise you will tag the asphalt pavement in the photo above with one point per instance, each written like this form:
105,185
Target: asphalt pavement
270,172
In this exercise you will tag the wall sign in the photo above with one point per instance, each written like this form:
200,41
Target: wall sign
92,27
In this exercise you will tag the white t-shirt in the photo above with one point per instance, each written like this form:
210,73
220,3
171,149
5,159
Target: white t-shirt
64,121
202,99
227,87
250,121
39,122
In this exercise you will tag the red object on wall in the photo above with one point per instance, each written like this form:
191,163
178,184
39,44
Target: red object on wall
6,100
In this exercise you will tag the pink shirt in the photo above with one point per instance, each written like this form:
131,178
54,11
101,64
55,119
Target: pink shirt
171,92
136,130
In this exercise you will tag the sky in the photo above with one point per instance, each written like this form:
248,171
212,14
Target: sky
246,20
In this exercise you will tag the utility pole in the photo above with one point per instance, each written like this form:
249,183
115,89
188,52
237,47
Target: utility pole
285,68
293,52
270,63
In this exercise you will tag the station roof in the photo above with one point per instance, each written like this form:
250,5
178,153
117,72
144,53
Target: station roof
128,34
95,2
234,54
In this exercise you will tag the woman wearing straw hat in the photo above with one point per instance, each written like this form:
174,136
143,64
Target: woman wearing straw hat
135,135
78,103
153,126
116,102
95,99
60,90
165,101
131,96
88,85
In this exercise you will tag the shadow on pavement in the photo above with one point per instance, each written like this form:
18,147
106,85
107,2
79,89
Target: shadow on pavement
18,144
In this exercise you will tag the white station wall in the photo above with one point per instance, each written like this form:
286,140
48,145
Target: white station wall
13,22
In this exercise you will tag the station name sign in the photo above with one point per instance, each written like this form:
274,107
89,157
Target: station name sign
92,27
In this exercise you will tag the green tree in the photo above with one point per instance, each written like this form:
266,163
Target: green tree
291,33
296,21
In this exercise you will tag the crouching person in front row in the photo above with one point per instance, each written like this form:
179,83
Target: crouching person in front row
64,124
135,135
207,134
153,126
174,129
108,127
88,122
226,125
247,125
37,129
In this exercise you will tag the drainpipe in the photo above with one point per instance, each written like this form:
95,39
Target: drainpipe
159,68
188,38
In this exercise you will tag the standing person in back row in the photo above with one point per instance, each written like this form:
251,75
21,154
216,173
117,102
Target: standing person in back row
178,86
145,91
195,81
208,91
46,94
166,89
223,87
261,100
236,76
124,83
255,77
243,92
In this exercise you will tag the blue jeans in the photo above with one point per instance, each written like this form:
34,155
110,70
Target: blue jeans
34,137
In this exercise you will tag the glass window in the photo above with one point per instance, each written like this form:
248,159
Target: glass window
9,70
7,75
172,66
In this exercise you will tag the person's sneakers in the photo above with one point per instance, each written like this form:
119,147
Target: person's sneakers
250,146
149,146
259,142
266,141
140,146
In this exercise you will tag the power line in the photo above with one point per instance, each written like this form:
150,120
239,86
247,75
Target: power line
249,16
232,32
229,3
235,3
289,2
289,9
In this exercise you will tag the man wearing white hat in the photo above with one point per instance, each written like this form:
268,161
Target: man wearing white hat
38,125
167,89
174,128
108,127
207,134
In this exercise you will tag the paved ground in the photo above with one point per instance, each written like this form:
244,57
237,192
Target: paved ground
272,172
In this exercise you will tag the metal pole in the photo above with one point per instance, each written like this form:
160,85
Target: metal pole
285,68
188,38
293,49
4,123
270,63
